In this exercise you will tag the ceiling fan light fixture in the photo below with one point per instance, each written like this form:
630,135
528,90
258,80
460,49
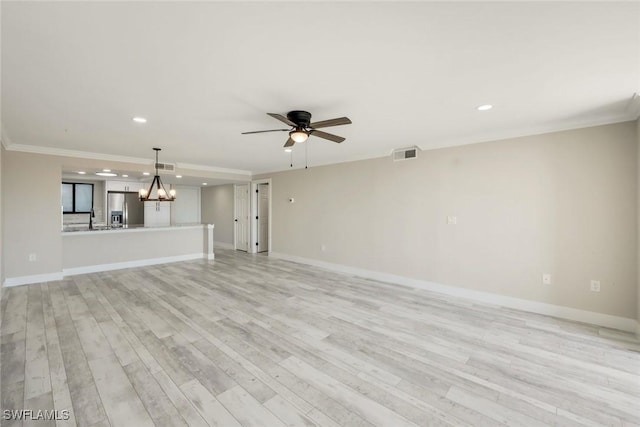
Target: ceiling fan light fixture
298,135
301,127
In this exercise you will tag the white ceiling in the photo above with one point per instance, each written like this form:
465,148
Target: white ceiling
75,73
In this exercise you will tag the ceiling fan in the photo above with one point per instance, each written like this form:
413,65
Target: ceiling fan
302,128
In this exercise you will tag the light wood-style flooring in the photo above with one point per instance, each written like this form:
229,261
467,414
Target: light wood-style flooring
253,341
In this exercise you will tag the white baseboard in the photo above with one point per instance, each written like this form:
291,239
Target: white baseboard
223,245
600,319
37,278
129,264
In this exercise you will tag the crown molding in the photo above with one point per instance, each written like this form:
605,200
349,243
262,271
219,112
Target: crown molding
205,168
487,137
52,151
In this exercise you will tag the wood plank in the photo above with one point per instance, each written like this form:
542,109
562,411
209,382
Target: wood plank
366,408
118,342
181,403
210,376
58,375
247,410
491,409
122,403
287,413
39,404
154,399
208,406
87,406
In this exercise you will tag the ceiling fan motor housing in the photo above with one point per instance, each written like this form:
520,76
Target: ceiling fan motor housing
300,118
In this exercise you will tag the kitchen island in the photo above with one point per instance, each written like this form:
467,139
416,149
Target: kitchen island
104,249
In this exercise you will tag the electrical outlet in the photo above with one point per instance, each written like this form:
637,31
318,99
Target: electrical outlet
452,220
33,257
595,286
546,279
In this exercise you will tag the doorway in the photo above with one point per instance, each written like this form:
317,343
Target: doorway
241,217
261,216
262,219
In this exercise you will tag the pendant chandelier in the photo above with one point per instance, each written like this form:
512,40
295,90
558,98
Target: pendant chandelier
159,194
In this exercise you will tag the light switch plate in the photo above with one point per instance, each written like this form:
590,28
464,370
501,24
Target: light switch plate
595,286
452,220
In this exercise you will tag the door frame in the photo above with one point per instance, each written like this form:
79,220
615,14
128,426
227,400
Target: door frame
235,217
253,228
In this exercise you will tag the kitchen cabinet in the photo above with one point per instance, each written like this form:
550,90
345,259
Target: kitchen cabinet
125,186
157,214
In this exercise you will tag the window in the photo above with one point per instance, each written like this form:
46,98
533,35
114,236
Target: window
77,198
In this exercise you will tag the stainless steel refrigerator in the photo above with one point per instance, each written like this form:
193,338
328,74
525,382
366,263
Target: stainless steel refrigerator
124,209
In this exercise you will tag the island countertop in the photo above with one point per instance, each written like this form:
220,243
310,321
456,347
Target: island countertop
128,229
102,250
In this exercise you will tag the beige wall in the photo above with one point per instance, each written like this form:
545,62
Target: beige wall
217,209
32,214
561,203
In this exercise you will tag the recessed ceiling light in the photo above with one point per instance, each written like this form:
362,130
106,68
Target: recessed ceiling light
106,174
106,170
140,120
125,176
485,107
288,150
81,172
178,176
145,173
204,183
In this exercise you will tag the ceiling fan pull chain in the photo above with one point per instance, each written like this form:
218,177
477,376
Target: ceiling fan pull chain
291,153
306,155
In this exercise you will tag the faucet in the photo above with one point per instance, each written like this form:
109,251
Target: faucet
91,220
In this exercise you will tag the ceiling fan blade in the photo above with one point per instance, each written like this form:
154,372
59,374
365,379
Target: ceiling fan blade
333,122
282,118
325,135
289,143
263,131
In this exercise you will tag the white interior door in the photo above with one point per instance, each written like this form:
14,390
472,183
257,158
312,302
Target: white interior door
241,209
263,217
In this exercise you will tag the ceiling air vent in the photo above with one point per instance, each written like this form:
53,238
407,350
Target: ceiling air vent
405,153
166,167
